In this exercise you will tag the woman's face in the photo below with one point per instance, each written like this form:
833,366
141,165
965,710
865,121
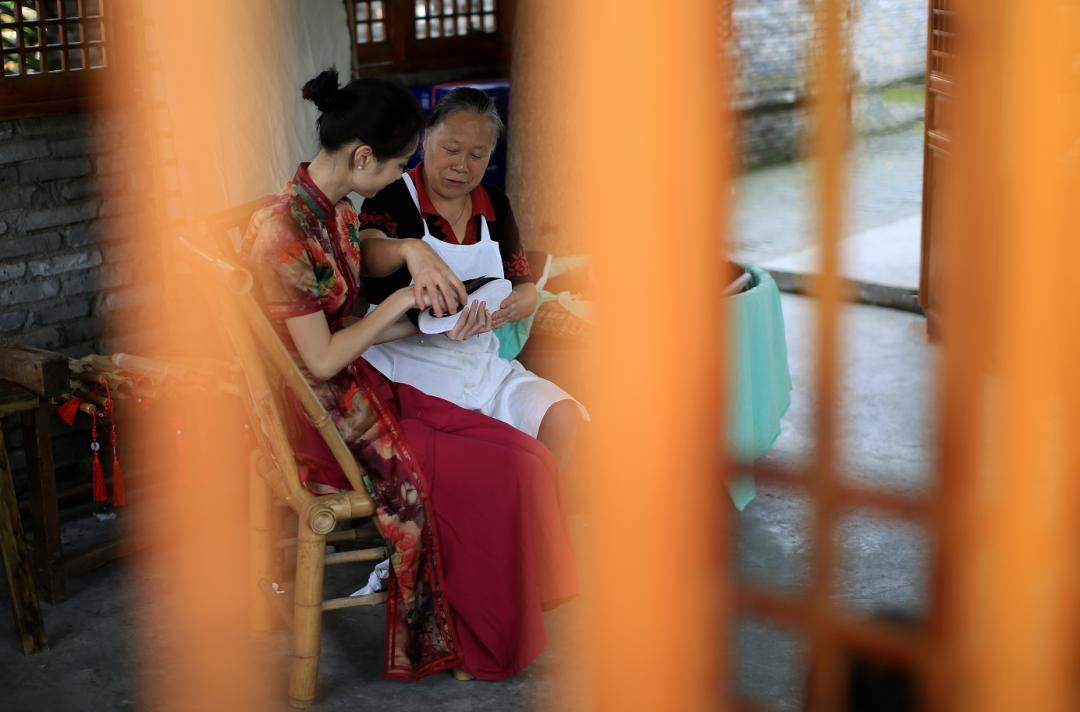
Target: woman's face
377,174
456,154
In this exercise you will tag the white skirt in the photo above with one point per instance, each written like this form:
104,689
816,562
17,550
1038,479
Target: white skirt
471,374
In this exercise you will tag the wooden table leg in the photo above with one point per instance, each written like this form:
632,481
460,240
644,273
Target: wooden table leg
20,578
44,509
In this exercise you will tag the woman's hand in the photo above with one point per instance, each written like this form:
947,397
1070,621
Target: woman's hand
520,304
434,283
476,319
508,311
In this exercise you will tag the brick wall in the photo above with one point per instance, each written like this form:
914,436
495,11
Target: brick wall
66,249
58,233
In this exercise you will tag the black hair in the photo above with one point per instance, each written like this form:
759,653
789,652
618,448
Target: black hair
378,112
468,99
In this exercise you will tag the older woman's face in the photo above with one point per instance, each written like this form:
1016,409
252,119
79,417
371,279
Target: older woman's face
456,154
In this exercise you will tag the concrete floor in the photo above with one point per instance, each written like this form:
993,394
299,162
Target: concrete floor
886,427
773,210
886,401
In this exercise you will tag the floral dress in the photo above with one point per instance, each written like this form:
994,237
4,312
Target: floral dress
469,507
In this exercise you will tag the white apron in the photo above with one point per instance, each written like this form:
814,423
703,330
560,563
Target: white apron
468,373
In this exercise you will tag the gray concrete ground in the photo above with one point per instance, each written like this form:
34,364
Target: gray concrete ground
774,206
879,255
887,407
94,661
886,428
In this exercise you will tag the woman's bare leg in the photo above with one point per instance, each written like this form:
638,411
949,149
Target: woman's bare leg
558,430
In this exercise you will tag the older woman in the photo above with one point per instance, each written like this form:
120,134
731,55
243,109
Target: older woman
469,507
471,226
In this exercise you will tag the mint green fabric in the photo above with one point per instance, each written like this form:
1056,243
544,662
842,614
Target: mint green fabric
760,385
512,336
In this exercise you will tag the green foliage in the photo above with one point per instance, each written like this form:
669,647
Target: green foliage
904,93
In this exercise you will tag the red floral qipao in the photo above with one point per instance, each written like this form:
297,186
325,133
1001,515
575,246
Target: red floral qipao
305,254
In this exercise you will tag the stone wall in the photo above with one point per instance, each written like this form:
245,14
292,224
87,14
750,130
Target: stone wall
890,41
773,38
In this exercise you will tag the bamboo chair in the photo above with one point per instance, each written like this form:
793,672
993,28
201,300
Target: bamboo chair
266,365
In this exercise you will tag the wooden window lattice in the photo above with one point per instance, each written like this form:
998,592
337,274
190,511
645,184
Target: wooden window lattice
370,21
52,36
943,37
454,18
55,54
427,34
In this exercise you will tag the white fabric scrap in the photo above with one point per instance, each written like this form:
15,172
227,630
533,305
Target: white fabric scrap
376,581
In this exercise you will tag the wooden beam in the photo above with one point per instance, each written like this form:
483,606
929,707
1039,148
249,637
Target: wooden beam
24,603
43,373
44,505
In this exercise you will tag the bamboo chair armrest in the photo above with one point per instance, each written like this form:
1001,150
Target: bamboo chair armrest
324,514
298,498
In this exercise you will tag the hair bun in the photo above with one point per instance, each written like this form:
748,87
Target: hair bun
323,90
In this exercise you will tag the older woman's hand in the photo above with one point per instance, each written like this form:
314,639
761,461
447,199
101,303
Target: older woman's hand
507,311
433,281
476,319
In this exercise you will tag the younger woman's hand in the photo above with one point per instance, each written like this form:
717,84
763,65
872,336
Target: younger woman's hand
476,319
404,299
434,283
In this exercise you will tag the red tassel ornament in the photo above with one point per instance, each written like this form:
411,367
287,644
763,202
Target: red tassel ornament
69,410
100,493
119,495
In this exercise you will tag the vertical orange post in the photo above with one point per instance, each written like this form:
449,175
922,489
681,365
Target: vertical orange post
830,118
1007,618
646,148
184,100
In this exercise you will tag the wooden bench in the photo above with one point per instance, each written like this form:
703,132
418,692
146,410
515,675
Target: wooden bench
29,378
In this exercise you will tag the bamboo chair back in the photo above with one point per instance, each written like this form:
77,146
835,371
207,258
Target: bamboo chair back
266,368
266,371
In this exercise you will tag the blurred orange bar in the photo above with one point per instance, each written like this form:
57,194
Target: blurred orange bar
830,87
184,78
646,148
1007,624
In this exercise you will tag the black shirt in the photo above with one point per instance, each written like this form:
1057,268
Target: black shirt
393,212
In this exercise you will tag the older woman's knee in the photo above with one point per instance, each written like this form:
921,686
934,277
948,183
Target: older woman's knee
559,428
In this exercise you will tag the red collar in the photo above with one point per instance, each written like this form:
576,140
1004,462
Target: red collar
481,202
311,193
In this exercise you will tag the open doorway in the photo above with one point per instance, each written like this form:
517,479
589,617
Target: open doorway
774,217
